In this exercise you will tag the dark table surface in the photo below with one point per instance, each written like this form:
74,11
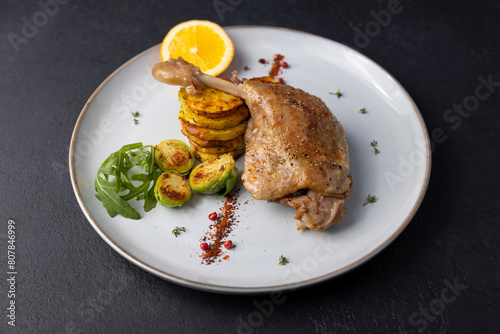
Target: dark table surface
445,53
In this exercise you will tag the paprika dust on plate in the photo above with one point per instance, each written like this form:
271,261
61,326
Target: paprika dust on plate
277,65
219,230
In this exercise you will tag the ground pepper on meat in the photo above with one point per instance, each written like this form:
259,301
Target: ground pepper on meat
219,230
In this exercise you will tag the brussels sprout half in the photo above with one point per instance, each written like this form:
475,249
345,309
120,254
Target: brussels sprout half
174,156
172,190
215,176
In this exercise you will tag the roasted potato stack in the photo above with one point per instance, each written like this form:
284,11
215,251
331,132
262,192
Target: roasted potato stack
214,123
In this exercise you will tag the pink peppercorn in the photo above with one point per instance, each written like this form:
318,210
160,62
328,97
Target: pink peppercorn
204,246
228,244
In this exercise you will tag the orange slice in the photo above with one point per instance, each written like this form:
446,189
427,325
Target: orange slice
202,43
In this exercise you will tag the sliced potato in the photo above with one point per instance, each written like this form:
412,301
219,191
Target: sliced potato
214,122
217,149
174,156
202,156
172,190
212,134
233,119
232,143
212,102
214,176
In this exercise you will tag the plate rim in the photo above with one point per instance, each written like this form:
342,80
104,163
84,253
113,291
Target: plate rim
246,290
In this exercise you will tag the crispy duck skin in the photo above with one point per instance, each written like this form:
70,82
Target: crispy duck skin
296,150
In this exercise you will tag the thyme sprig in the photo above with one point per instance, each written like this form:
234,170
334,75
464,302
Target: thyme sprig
177,230
374,144
135,115
282,260
370,199
337,93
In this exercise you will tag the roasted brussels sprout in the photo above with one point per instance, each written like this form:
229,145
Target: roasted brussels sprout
214,176
172,190
174,156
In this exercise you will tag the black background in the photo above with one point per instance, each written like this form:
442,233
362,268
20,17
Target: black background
70,281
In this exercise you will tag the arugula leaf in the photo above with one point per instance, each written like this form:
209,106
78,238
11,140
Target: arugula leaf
150,200
118,181
113,203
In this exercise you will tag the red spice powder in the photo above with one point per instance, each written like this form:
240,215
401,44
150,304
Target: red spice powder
276,68
220,229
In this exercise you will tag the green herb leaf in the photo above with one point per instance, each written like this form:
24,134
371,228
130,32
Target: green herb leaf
370,199
337,93
177,230
282,260
374,144
362,111
150,200
135,115
113,203
246,68
129,173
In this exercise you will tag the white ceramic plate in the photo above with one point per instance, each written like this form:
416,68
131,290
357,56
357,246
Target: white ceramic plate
398,176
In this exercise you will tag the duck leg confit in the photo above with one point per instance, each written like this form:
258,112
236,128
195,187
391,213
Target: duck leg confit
296,150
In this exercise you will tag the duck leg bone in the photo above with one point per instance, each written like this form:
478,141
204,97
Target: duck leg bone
180,72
